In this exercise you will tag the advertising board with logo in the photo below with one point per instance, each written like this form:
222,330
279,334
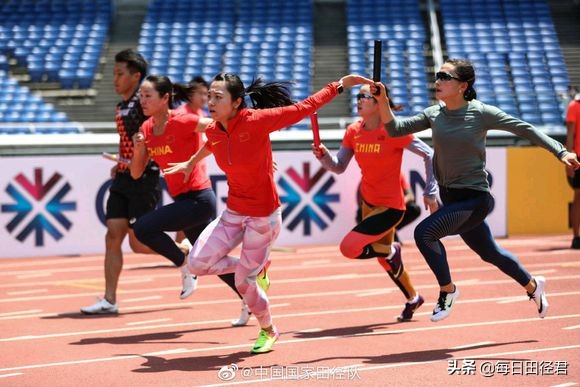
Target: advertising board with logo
55,205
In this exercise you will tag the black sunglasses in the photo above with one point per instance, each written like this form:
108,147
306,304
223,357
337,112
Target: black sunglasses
445,77
363,96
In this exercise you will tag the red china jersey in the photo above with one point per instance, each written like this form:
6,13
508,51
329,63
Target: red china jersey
178,143
244,152
379,158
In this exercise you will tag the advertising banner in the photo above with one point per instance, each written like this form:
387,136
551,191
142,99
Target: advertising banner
55,205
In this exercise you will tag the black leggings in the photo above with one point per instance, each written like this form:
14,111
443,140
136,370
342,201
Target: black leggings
464,212
191,212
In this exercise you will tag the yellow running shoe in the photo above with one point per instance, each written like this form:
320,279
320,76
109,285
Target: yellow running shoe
263,280
264,341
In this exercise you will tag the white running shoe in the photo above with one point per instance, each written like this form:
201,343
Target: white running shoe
188,282
539,296
444,305
186,247
244,316
102,306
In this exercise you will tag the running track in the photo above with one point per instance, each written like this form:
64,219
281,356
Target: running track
337,319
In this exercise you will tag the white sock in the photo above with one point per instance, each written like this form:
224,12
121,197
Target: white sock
415,299
392,252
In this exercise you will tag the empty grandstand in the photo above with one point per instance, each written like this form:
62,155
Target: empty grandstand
55,55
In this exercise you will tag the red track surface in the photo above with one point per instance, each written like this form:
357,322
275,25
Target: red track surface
332,312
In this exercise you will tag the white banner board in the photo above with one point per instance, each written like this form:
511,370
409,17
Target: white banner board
54,205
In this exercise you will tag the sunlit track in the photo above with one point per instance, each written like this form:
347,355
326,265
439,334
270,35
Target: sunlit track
278,316
294,341
331,312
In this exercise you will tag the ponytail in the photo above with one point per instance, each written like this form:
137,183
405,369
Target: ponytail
181,93
268,95
469,93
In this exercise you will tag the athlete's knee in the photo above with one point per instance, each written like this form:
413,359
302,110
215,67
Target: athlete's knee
243,283
196,266
349,250
140,230
420,234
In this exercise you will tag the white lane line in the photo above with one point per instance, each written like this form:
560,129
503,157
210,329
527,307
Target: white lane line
148,321
473,345
34,275
20,312
311,330
510,300
223,348
289,315
418,260
25,292
371,293
419,270
572,327
280,305
352,276
9,375
167,352
358,367
299,296
565,385
142,299
547,271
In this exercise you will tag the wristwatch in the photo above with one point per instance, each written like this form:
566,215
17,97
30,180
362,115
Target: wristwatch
340,87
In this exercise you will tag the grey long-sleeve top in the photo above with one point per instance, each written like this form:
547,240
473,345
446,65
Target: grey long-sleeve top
338,163
459,138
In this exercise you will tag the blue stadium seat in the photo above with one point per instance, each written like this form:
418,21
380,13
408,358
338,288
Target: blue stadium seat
42,33
523,52
403,37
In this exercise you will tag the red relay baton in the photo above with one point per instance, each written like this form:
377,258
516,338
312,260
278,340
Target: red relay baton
315,129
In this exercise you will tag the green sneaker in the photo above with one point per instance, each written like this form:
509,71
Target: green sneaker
264,342
263,280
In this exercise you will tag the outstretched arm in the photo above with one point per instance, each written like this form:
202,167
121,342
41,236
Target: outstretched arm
418,147
280,117
186,167
336,164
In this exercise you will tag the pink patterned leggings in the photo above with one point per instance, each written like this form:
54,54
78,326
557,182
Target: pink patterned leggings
209,255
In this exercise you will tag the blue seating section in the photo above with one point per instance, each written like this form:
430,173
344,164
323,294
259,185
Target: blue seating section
57,40
271,39
515,49
398,24
18,105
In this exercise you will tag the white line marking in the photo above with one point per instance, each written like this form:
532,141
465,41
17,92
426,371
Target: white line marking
20,312
359,278
311,330
396,365
9,375
473,345
283,342
379,292
167,352
296,296
289,315
280,305
25,292
35,275
565,385
510,300
148,321
572,327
